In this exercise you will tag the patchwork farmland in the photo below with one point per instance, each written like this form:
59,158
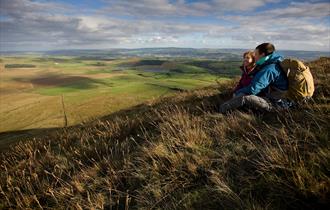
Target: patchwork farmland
46,92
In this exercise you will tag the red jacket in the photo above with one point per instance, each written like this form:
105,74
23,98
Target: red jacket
246,78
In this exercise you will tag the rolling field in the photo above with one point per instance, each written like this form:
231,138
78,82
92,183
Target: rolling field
45,92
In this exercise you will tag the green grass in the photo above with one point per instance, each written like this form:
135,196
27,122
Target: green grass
188,69
75,87
229,68
98,71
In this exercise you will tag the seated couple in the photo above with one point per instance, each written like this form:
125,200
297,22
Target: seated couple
263,83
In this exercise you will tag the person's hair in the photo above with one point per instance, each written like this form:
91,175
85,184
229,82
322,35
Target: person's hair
266,48
250,54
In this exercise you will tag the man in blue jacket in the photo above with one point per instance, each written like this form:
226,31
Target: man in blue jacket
268,85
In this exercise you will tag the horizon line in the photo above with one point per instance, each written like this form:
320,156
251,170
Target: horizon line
115,48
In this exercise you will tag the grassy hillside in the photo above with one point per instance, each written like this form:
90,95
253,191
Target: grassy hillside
179,153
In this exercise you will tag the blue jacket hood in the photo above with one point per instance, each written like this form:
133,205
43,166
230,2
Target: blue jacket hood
274,58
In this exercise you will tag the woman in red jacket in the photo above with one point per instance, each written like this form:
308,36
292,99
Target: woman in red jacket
247,68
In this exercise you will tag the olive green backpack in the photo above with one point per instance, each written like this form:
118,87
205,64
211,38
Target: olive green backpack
301,84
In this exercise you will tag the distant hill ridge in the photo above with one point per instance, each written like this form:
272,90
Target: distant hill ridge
207,53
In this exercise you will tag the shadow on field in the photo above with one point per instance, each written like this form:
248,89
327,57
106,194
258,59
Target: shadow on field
74,82
9,138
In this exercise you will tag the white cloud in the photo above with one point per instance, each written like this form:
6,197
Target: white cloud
301,10
241,5
92,23
25,8
147,8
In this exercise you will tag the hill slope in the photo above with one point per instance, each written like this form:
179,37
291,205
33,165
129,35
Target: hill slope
179,153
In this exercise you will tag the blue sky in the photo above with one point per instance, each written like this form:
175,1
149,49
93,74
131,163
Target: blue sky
104,24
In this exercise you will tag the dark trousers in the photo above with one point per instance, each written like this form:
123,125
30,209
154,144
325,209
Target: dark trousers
247,101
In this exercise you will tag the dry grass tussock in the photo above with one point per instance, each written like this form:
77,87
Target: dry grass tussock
179,153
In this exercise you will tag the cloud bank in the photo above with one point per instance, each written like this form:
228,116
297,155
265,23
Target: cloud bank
45,25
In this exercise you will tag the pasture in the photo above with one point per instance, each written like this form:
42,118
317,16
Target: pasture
45,92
